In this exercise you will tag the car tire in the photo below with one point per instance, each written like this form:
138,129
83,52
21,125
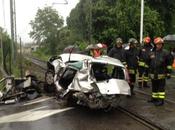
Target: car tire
49,86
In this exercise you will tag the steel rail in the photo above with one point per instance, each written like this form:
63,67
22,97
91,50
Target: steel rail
146,122
42,64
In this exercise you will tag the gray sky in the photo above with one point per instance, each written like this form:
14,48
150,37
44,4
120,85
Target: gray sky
26,11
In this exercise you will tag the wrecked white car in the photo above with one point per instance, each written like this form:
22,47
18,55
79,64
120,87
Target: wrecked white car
93,82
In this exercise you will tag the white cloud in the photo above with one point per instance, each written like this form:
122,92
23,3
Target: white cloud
26,10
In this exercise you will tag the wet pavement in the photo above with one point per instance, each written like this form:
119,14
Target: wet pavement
163,116
47,114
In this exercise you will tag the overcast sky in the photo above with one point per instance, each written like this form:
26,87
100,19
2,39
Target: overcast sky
26,11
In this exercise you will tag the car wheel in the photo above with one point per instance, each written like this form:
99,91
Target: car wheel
49,82
49,77
32,95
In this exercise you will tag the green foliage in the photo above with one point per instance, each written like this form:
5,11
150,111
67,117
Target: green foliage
166,9
41,53
113,18
78,22
6,49
81,45
45,28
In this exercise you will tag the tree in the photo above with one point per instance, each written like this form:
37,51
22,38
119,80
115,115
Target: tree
166,9
121,18
45,28
78,21
114,18
6,49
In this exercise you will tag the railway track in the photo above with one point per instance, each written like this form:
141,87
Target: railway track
147,123
40,63
144,120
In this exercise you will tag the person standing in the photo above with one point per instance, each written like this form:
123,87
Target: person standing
143,62
131,57
117,51
160,68
96,50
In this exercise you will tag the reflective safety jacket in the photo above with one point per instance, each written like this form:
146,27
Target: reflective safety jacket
144,56
160,63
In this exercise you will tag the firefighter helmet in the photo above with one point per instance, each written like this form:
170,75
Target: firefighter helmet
147,40
132,41
158,40
119,40
101,45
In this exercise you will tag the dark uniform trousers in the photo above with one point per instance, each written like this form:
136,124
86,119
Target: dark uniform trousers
132,76
158,89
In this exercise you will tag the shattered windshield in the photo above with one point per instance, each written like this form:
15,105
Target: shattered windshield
106,71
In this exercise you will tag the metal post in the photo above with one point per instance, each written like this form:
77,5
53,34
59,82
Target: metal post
21,71
2,53
141,21
12,34
90,21
15,31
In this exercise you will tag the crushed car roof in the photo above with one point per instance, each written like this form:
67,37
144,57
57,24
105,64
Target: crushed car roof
101,59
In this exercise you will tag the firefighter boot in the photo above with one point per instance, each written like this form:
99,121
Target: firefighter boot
160,102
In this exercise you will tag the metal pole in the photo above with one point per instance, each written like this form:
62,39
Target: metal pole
12,34
141,21
21,71
90,21
2,53
15,32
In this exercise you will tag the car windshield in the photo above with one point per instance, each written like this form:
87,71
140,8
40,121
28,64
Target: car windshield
106,71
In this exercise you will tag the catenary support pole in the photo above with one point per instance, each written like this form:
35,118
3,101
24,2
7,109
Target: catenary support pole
141,21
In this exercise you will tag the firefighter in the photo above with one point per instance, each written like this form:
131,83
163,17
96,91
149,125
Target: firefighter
117,51
131,57
160,69
96,50
143,62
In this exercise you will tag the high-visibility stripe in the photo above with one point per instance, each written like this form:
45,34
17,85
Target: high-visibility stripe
131,71
162,97
146,66
161,93
169,67
155,95
141,63
160,76
145,78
